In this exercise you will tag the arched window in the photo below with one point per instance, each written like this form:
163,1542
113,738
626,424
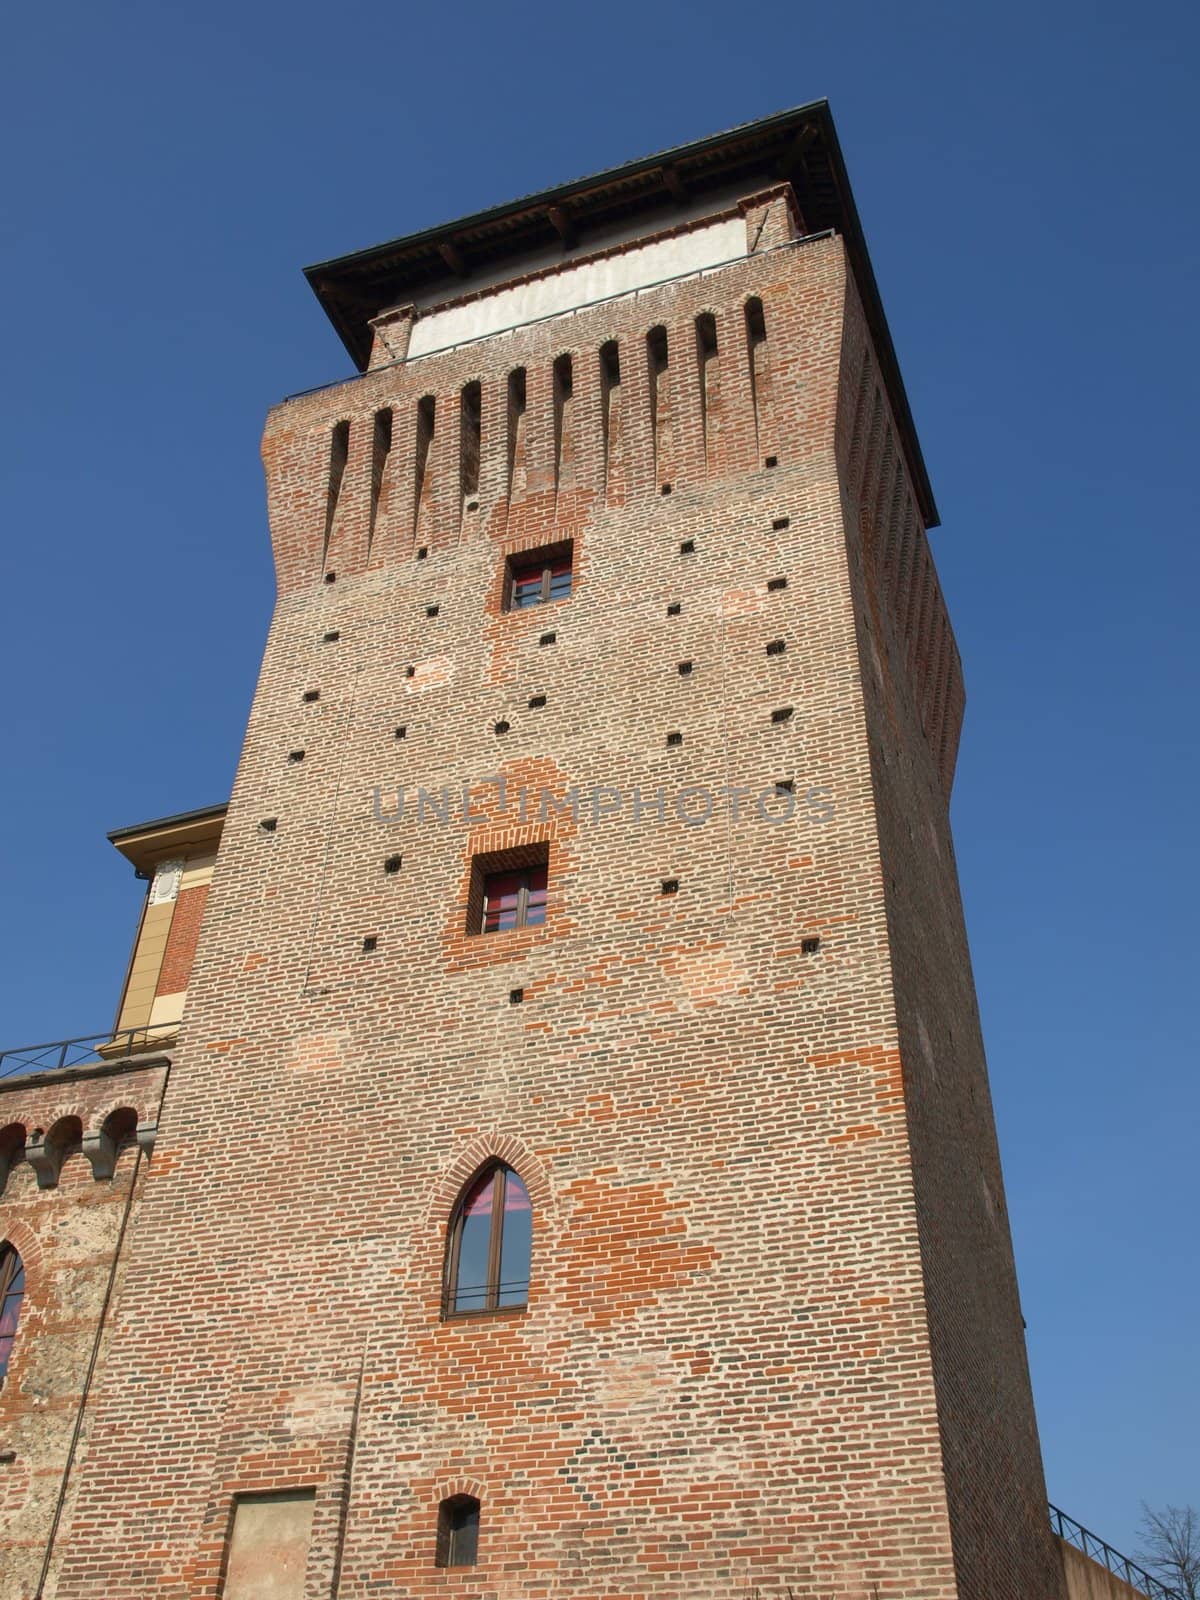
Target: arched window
12,1291
491,1240
458,1531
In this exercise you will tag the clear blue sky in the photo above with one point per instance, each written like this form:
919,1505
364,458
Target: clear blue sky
1026,178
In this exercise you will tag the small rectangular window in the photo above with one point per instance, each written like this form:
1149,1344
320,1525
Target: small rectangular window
539,576
509,889
514,900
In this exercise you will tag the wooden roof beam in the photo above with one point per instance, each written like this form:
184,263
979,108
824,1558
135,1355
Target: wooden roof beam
561,223
453,257
806,137
673,179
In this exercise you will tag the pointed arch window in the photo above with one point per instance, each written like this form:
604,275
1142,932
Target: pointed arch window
491,1243
12,1292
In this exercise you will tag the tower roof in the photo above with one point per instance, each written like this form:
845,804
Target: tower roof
798,146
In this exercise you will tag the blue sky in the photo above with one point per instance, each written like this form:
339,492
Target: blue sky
1026,179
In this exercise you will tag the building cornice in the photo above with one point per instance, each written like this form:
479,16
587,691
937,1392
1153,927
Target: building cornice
798,147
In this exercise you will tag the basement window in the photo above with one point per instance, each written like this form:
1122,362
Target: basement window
536,577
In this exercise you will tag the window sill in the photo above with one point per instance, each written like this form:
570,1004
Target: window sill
499,1314
476,951
537,608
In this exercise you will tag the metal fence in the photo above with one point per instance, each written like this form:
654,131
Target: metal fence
1093,1546
88,1050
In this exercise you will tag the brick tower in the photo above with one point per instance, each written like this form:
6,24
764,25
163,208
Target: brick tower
577,1177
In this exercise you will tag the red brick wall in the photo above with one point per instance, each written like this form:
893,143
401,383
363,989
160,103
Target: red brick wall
1002,1539
725,1375
66,1236
181,940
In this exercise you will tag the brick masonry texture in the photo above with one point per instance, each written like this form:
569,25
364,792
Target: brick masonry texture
989,1433
772,1336
67,1236
182,939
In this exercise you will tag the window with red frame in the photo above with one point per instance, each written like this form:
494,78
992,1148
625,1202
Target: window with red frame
12,1292
514,900
491,1244
538,577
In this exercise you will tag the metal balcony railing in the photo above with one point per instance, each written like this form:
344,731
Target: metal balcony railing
1093,1546
88,1050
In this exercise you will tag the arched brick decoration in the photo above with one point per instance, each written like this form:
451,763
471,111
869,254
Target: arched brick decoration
127,1111
46,1155
447,1488
492,1146
12,1149
66,1132
104,1145
104,1139
27,1245
56,1112
426,1256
